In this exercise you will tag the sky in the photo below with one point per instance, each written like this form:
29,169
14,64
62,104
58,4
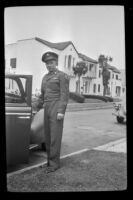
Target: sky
93,30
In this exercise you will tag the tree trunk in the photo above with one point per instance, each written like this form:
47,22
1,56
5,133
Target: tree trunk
79,85
104,90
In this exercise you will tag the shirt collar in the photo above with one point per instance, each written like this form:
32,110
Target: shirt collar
53,72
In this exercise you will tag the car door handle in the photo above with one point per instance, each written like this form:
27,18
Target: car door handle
24,117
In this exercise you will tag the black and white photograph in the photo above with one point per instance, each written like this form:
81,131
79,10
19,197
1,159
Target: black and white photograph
65,98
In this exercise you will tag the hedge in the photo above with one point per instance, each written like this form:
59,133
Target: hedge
103,98
76,97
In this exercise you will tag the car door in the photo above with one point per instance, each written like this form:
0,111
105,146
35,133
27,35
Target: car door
18,117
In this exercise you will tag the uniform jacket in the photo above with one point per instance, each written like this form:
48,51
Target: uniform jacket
55,86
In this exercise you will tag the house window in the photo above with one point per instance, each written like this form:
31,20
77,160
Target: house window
108,91
91,65
94,88
99,73
13,62
98,87
112,75
73,61
69,61
117,77
85,86
118,90
65,61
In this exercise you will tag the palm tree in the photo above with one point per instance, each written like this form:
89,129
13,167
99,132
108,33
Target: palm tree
79,70
105,72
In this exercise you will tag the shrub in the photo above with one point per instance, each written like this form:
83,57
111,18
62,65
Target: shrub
110,99
117,99
76,97
103,98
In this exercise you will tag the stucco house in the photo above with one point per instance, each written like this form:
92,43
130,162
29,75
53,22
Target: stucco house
115,84
92,82
24,57
88,79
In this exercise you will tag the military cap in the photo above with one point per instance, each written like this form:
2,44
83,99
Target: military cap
49,56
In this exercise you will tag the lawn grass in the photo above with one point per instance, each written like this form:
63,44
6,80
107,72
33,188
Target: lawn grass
90,171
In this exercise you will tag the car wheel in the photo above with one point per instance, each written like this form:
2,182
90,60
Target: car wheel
120,119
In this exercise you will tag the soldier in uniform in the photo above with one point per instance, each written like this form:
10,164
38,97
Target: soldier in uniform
54,95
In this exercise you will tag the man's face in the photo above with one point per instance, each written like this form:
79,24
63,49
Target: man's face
51,65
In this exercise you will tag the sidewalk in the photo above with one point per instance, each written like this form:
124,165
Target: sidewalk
118,146
88,106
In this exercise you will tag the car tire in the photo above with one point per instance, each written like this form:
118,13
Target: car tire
120,119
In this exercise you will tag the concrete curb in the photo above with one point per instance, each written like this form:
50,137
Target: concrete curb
102,147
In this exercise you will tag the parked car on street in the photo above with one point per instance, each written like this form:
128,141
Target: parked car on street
21,128
120,110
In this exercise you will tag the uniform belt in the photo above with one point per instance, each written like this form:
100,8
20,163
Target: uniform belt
52,99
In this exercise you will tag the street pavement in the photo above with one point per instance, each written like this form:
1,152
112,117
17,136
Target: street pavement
83,130
88,106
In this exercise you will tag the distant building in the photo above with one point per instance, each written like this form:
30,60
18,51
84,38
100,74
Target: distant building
123,79
24,57
87,80
115,84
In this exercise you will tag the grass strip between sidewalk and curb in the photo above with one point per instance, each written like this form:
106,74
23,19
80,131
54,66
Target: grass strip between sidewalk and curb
91,170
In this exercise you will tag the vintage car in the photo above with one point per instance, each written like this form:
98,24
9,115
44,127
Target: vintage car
21,126
120,110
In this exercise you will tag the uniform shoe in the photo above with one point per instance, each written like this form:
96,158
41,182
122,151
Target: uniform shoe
51,169
45,166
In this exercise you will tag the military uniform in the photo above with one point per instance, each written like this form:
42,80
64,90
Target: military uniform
55,95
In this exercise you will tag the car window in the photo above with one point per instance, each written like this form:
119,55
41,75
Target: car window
13,91
23,81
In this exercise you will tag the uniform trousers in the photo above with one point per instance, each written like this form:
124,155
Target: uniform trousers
53,129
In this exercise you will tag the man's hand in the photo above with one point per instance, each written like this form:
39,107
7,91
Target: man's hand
60,116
